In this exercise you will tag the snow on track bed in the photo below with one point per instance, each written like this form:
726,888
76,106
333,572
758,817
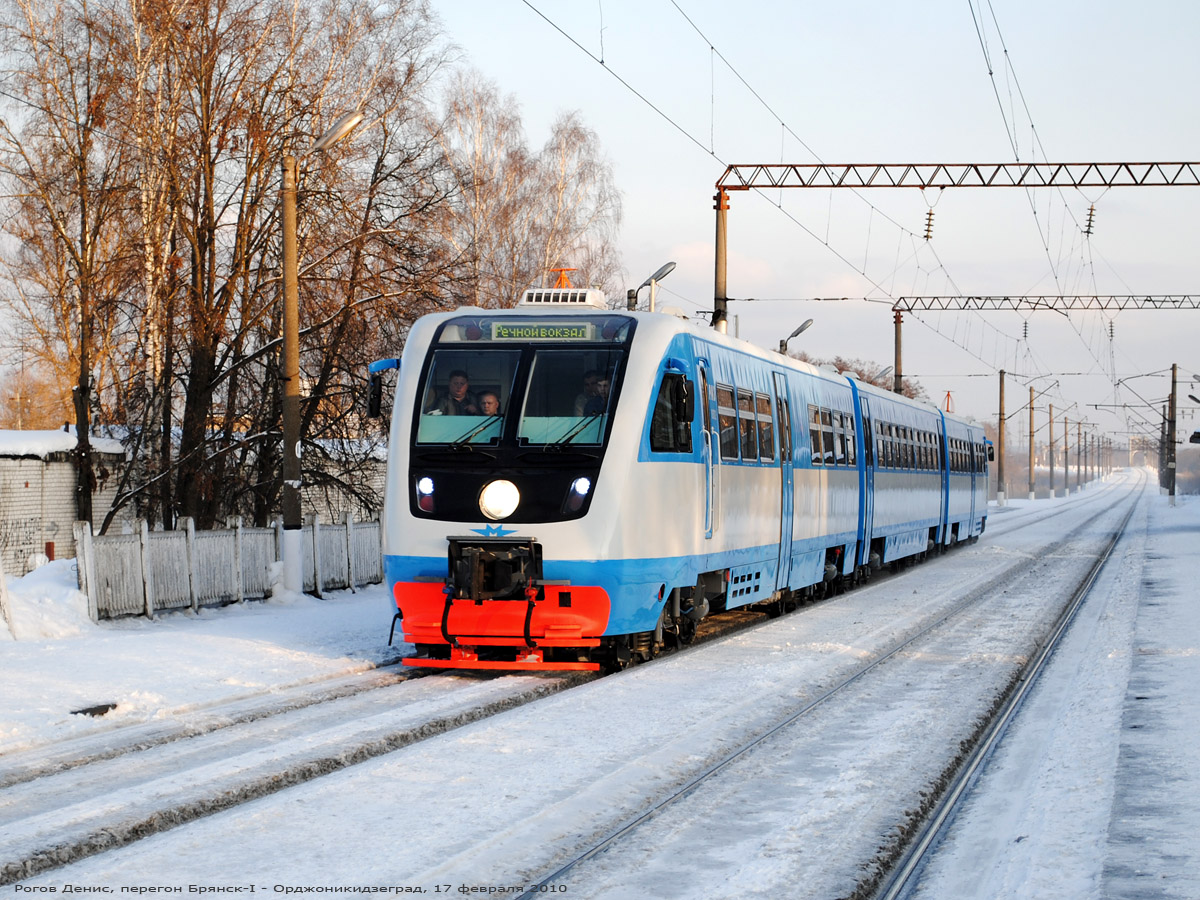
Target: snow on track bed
106,743
501,800
117,797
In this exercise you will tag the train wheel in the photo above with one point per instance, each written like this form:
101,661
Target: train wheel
683,630
615,655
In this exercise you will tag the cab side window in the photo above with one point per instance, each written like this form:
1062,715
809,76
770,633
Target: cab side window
671,422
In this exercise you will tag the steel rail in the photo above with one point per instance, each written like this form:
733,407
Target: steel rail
538,888
900,881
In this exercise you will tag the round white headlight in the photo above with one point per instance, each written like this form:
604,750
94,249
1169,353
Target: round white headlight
499,499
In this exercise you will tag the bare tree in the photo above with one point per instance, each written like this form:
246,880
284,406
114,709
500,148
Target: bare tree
577,207
71,181
144,222
515,215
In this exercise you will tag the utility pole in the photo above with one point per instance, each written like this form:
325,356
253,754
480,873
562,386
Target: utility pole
1000,498
290,374
720,295
1066,456
1051,454
1171,435
1031,454
1087,460
1079,456
897,379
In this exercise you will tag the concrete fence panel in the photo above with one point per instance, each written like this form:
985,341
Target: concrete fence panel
148,571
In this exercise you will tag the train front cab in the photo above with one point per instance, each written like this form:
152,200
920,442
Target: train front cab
475,497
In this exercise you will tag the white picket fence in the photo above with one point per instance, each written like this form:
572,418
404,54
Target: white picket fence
143,572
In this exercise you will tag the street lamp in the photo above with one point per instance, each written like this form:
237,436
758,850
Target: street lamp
783,344
293,576
663,271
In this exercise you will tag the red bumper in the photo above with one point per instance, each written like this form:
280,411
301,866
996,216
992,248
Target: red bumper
560,617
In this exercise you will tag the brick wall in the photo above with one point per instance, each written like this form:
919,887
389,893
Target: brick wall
37,506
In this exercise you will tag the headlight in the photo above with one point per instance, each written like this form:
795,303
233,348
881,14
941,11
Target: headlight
499,499
425,494
577,493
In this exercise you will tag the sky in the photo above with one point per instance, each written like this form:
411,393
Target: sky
689,86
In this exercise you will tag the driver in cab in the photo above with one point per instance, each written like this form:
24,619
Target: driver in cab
457,399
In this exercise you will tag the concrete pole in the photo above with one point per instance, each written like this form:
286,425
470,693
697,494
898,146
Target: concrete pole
1051,453
1079,456
898,376
1066,455
720,296
1032,460
292,577
1001,499
1171,435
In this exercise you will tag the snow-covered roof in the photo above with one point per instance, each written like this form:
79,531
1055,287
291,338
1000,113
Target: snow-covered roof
41,444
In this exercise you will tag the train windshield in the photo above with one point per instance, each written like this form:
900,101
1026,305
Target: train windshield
544,381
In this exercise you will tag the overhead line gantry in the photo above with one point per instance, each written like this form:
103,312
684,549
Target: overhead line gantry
861,176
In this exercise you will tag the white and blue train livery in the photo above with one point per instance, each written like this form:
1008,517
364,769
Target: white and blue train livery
573,487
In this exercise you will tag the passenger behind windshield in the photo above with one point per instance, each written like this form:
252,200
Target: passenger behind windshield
591,378
457,399
489,403
599,403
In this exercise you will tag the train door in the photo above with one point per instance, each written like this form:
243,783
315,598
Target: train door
866,503
943,536
974,484
783,420
708,452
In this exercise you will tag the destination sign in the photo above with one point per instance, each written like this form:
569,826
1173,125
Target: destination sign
543,331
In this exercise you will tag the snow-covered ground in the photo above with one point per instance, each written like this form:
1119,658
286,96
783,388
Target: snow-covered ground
1093,794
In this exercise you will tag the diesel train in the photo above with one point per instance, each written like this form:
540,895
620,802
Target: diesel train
571,486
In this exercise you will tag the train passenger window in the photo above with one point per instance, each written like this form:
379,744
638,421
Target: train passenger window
727,420
702,399
839,440
766,427
747,425
851,453
827,436
670,427
814,435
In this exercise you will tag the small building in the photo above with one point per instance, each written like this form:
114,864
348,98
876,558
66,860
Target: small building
37,494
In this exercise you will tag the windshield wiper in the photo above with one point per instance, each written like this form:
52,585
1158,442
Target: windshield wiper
461,442
573,432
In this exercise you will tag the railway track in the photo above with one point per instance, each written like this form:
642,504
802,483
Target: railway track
901,878
77,801
248,752
922,822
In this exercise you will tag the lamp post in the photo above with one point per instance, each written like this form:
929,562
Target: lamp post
293,576
802,327
662,272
